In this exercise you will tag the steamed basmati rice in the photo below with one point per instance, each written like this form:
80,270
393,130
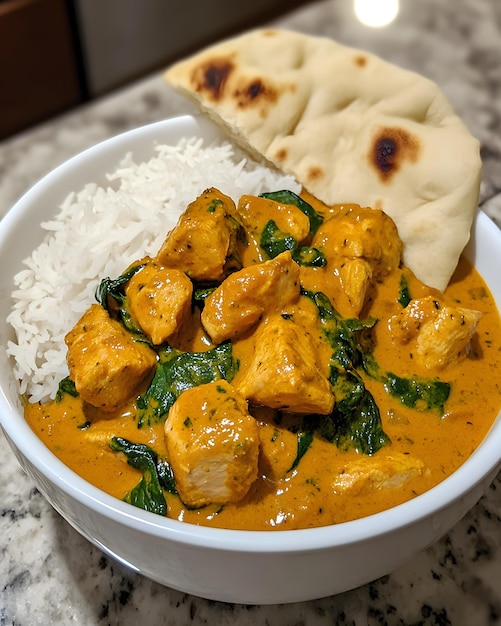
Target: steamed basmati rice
99,231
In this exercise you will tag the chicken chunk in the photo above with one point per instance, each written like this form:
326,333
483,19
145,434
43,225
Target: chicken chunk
355,232
283,372
378,472
439,333
212,445
361,246
204,238
105,363
243,298
160,300
356,279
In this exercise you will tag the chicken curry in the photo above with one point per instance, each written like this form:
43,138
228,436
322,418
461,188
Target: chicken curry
275,366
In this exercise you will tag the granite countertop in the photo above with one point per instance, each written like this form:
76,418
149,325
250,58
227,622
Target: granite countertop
49,574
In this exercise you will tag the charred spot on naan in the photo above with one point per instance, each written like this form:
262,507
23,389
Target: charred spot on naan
314,174
211,79
211,76
360,60
281,155
389,148
255,93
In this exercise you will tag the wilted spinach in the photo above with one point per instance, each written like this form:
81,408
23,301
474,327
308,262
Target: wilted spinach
112,290
355,421
420,393
289,197
274,241
157,475
201,293
66,386
180,371
352,350
423,394
304,441
404,295
309,257
110,294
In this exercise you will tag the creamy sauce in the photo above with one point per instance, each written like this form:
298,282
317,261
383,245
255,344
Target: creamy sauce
312,494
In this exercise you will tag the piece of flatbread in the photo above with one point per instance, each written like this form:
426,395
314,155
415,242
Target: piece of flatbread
351,128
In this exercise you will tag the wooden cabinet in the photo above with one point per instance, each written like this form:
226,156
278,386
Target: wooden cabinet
55,54
39,74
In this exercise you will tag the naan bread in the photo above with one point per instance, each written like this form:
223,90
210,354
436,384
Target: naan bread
351,128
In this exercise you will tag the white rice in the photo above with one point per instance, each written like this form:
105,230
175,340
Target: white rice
99,231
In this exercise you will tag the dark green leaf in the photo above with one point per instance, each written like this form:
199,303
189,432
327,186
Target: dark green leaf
166,477
355,421
348,337
139,455
355,424
147,494
182,371
289,197
324,306
309,257
304,440
404,295
155,403
214,205
274,241
129,321
200,294
422,394
66,386
114,288
418,393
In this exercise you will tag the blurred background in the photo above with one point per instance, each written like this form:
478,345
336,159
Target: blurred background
57,54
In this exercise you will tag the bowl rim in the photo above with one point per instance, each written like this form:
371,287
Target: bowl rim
484,460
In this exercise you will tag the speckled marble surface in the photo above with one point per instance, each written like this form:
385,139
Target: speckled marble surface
51,575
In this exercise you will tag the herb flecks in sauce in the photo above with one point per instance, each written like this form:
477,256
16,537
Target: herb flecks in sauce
319,286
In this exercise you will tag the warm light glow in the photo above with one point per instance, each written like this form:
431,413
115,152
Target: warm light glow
376,13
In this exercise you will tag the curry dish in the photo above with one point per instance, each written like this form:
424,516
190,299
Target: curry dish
275,366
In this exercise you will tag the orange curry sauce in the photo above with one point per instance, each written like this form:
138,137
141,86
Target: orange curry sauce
314,494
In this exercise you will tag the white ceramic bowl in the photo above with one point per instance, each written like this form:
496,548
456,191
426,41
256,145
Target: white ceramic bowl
227,565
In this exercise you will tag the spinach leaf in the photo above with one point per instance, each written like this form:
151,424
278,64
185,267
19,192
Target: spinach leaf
352,350
148,493
166,477
155,403
309,257
113,289
422,394
181,371
404,295
274,241
304,441
201,293
217,202
66,386
355,421
110,294
289,197
347,336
